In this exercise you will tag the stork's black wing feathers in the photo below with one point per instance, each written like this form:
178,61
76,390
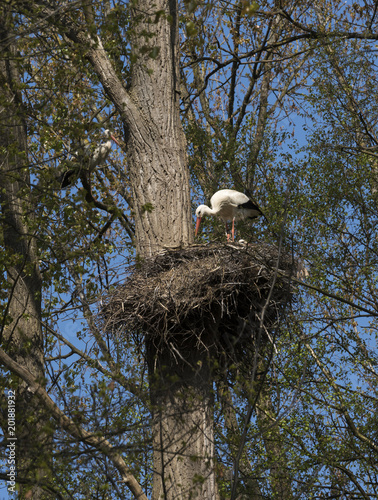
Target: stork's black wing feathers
67,178
249,205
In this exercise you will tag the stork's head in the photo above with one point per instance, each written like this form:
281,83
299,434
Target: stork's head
109,135
200,212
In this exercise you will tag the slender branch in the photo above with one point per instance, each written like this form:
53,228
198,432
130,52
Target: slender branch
351,425
114,211
115,375
329,294
354,480
235,64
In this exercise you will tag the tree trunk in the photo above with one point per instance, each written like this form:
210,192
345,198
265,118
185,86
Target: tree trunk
183,436
181,382
158,162
22,333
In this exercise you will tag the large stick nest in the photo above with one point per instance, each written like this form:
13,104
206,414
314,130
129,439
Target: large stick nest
231,289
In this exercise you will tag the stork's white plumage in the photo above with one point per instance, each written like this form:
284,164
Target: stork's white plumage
228,204
100,154
88,160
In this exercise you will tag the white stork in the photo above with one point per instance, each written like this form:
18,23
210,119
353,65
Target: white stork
89,159
100,154
228,204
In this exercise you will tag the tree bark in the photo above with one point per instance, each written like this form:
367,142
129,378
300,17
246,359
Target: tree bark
158,162
183,435
22,332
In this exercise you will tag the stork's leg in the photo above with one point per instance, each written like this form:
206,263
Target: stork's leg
233,229
227,235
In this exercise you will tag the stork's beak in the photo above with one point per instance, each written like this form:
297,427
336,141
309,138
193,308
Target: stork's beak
115,140
198,224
